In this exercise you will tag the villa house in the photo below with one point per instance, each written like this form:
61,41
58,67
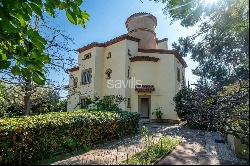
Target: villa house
137,56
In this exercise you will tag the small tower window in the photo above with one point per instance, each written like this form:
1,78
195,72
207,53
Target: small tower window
178,75
128,72
108,73
109,55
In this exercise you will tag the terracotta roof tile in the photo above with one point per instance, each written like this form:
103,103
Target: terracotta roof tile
144,58
108,43
144,88
73,69
160,51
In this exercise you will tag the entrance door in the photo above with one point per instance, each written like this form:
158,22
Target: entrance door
144,107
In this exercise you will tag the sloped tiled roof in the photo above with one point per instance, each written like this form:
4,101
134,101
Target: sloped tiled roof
161,51
108,43
73,69
144,88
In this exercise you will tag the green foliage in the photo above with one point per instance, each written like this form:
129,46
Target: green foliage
110,103
207,108
145,133
181,99
221,43
158,113
60,106
22,47
150,154
43,100
34,138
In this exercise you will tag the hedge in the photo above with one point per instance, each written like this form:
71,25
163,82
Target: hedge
27,140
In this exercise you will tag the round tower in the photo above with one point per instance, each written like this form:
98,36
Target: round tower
142,26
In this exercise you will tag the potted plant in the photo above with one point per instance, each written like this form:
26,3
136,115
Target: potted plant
158,113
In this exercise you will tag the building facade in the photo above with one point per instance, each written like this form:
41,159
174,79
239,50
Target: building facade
138,57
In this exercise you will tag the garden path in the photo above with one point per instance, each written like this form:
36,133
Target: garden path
198,147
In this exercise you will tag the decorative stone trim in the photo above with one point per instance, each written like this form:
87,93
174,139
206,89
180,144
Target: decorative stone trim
143,58
144,88
108,43
142,29
160,51
74,69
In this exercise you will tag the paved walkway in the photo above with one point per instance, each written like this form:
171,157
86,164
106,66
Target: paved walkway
198,147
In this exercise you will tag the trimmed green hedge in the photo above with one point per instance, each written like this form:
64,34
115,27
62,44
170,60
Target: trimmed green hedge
34,138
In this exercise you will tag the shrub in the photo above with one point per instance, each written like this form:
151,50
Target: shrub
33,138
210,108
110,103
158,113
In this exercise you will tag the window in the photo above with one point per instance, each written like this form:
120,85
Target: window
128,72
129,103
75,79
183,78
87,56
83,102
109,55
129,52
108,73
86,76
178,74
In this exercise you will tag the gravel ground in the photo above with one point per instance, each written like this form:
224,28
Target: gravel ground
198,147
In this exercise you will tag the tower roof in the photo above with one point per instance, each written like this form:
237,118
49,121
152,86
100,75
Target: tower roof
141,14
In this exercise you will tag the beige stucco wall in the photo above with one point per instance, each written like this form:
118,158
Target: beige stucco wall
163,45
143,28
161,74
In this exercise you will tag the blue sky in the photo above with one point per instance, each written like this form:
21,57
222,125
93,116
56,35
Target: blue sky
107,20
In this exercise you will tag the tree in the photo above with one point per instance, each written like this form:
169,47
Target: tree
22,47
43,99
206,108
221,44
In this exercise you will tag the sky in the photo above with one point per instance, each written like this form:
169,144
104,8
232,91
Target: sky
107,21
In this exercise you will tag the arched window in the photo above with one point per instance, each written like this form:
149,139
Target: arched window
108,73
86,77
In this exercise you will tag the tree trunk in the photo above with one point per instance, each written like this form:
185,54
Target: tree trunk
27,87
27,102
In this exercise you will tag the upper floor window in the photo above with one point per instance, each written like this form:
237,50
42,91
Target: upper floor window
129,52
108,73
75,79
178,75
86,76
87,56
109,55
